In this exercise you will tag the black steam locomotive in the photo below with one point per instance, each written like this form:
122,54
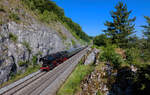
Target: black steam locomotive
51,61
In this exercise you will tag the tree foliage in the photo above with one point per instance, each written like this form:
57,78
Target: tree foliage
147,32
121,27
109,55
133,77
49,11
100,40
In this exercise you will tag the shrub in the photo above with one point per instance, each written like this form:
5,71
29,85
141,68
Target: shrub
73,42
13,37
132,55
101,40
109,55
145,55
34,60
22,63
14,17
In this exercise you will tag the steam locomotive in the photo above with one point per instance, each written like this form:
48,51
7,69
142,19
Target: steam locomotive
51,61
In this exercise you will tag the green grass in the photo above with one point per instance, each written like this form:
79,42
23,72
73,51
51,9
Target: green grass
1,22
99,93
73,82
18,76
13,37
73,42
64,37
27,45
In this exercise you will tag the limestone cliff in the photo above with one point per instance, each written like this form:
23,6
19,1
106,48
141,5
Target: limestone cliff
25,37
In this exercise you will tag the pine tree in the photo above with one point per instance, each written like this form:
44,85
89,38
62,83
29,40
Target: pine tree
121,27
147,28
147,32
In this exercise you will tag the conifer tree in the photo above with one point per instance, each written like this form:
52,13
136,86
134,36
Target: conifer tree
121,27
147,28
147,32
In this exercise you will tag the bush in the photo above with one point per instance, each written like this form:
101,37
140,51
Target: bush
73,42
145,55
34,60
101,40
14,17
22,63
48,16
13,37
132,55
109,55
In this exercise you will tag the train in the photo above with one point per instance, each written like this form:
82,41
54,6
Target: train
53,60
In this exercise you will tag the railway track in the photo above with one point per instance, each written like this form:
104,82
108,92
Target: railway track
37,84
23,84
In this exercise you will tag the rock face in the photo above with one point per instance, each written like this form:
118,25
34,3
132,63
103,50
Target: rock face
91,58
95,82
20,42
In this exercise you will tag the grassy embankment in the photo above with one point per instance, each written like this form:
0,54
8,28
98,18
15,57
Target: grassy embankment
73,82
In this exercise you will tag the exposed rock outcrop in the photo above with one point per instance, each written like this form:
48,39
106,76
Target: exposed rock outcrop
95,82
20,42
91,58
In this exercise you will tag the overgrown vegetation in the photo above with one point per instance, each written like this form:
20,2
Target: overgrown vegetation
48,11
133,68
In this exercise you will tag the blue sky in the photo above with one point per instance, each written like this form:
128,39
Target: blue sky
92,14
